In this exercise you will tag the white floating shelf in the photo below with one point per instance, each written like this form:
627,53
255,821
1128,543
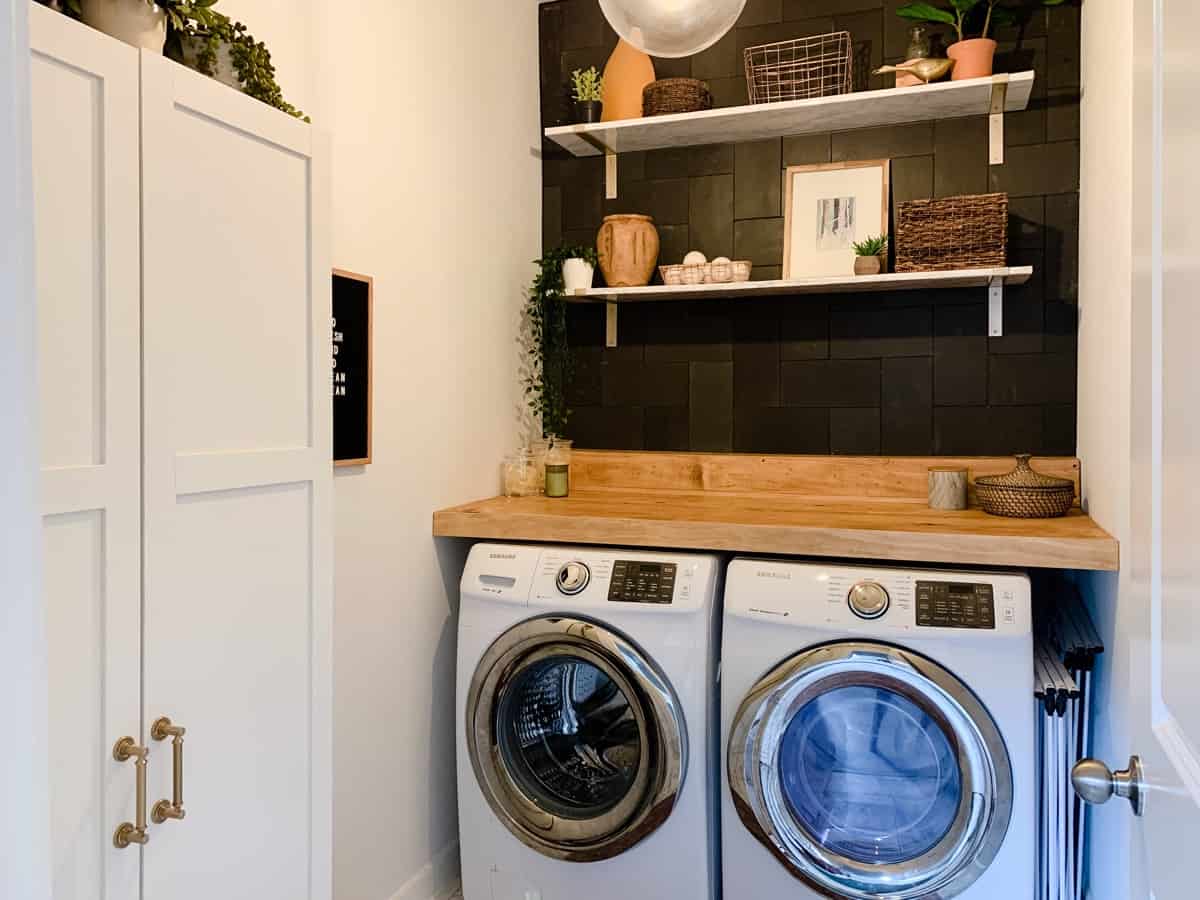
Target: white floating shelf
865,109
993,280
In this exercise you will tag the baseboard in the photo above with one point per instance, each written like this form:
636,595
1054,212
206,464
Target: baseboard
436,880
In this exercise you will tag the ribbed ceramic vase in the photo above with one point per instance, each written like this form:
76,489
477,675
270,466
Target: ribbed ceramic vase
135,22
628,250
626,75
972,59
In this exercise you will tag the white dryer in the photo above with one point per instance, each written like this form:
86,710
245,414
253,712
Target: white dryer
587,734
878,733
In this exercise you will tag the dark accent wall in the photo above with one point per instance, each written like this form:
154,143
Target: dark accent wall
904,373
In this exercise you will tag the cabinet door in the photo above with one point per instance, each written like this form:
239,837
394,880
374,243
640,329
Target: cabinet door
238,481
85,168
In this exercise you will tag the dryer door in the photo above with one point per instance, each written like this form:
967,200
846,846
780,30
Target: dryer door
576,738
869,770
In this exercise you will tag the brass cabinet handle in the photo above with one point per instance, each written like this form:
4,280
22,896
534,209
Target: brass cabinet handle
127,832
173,808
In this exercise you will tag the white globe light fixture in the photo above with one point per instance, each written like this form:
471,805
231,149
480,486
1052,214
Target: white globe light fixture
672,28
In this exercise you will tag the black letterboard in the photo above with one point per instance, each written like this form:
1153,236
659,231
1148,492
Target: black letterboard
351,380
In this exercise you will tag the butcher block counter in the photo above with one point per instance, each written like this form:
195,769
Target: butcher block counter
818,506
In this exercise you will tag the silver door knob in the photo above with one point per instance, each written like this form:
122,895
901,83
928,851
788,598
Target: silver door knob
1095,783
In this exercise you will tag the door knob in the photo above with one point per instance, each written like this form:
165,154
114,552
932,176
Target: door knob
1095,783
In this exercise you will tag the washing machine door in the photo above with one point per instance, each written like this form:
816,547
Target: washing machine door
576,738
871,771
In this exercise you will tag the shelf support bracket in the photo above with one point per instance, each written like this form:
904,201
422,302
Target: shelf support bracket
610,324
996,307
996,121
610,175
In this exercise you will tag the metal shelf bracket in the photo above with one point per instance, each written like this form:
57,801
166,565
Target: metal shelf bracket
996,122
996,307
610,324
610,175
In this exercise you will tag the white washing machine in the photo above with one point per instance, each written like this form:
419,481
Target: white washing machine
878,733
587,734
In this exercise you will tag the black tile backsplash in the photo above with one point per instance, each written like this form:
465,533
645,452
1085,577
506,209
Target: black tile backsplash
895,373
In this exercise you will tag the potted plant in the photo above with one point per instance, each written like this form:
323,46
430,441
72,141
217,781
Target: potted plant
973,55
870,256
579,269
142,23
586,87
546,365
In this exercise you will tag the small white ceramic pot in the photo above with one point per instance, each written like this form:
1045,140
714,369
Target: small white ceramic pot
577,275
223,70
138,22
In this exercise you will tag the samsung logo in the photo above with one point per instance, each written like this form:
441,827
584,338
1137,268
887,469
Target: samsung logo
502,556
783,576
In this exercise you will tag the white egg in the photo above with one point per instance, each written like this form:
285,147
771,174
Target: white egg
721,261
695,258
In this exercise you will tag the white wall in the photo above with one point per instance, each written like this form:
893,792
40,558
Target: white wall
433,110
1105,289
24,786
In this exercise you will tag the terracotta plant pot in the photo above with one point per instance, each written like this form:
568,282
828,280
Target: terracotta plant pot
908,79
867,265
628,249
135,22
972,59
626,75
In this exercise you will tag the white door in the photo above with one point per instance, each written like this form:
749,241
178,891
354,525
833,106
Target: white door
238,484
85,178
1165,564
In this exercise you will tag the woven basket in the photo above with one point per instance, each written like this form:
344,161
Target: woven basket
1025,494
953,233
675,95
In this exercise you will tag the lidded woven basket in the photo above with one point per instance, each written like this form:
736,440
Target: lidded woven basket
1024,493
675,95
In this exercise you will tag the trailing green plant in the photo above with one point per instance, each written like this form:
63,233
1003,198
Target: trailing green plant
545,340
179,12
969,18
872,246
587,84
250,58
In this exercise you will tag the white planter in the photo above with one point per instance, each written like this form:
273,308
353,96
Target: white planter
137,22
577,275
223,70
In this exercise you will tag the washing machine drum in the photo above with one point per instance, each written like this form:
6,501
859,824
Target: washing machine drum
870,771
576,738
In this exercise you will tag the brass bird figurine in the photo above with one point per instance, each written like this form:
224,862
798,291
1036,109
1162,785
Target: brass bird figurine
926,69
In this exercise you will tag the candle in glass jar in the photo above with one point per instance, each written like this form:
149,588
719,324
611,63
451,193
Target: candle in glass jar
558,468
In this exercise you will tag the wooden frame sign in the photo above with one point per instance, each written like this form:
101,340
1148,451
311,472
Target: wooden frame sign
353,301
827,209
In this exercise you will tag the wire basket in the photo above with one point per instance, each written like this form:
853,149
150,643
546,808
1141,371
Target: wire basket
968,232
800,69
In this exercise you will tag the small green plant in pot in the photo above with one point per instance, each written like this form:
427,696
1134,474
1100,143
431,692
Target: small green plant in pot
586,88
972,20
870,256
142,23
579,270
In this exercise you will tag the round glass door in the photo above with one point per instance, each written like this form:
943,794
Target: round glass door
868,770
575,737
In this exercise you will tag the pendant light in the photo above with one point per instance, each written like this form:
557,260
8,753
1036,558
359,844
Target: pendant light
672,28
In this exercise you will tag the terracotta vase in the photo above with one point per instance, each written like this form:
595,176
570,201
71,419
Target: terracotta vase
628,250
626,75
972,59
908,79
135,22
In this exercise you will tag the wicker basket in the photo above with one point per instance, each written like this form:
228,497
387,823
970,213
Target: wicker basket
953,233
675,95
737,270
1025,494
800,69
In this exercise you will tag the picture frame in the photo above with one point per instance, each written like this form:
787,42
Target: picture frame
352,357
827,208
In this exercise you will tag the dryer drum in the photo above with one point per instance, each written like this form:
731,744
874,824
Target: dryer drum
575,737
871,771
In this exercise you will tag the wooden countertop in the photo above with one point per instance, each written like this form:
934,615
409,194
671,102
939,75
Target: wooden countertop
850,507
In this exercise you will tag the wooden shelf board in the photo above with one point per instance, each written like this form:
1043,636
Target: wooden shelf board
864,109
902,281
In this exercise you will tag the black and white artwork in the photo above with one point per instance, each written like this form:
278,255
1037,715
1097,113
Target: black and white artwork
835,223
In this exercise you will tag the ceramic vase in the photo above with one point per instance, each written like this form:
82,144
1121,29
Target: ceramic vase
626,75
577,275
628,250
135,22
972,59
867,265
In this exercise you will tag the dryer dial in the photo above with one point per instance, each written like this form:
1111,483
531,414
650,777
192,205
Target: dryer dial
868,600
573,578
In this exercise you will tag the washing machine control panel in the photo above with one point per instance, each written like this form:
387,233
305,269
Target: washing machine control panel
636,581
572,578
945,604
869,599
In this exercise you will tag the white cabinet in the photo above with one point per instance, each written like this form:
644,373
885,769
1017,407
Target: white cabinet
184,305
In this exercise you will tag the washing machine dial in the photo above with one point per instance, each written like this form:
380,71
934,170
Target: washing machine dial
573,578
868,600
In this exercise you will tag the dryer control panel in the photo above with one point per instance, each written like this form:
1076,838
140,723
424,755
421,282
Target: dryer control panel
637,581
947,604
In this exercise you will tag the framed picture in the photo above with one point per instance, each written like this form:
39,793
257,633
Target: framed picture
353,301
828,208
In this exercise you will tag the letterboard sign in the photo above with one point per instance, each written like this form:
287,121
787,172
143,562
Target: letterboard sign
353,296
